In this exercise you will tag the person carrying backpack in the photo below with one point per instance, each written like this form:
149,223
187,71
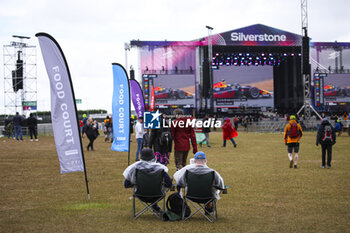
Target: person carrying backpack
292,135
161,141
326,137
107,128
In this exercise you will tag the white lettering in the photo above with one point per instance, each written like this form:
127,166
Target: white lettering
240,36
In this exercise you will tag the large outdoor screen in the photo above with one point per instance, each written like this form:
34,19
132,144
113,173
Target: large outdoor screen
243,86
171,91
336,92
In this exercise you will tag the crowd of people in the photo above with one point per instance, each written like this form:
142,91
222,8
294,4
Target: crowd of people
13,127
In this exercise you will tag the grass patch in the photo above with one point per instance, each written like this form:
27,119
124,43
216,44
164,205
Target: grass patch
265,194
87,206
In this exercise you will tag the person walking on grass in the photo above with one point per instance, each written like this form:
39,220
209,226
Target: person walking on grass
91,131
228,132
292,135
206,131
107,129
182,135
326,137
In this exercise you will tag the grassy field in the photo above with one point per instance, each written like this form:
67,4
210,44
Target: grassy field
265,194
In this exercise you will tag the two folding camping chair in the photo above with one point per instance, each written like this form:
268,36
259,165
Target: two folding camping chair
199,195
149,190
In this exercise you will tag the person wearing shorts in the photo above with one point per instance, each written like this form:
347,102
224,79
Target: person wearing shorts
292,135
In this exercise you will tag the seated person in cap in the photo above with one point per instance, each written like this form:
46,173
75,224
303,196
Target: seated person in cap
147,164
200,167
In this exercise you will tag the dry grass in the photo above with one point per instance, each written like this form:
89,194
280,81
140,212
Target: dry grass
265,195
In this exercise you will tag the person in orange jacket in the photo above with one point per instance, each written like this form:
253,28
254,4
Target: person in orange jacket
292,135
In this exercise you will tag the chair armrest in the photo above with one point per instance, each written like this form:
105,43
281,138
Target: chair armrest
224,189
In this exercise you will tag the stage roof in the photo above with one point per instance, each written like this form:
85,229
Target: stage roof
253,35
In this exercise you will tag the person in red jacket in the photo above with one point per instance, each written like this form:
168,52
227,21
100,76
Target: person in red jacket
228,132
181,135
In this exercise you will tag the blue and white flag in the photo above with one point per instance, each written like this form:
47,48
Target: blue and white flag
120,109
63,108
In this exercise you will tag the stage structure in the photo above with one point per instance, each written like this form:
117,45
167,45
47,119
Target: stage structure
20,76
251,69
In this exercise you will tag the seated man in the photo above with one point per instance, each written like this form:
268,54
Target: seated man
147,164
200,167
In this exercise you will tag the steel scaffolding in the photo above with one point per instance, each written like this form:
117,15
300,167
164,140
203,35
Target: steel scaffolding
20,77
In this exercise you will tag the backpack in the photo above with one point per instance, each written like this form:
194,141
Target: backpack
327,134
108,124
165,138
174,205
293,131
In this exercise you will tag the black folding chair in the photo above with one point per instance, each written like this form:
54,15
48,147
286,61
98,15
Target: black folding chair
149,190
199,193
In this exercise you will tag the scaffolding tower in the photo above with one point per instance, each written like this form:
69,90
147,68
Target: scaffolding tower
20,77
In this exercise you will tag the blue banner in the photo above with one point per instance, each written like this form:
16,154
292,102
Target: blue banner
120,109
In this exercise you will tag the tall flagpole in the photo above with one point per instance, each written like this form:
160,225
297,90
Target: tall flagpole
128,83
75,107
129,119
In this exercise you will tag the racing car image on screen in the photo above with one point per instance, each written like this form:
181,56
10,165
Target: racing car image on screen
221,90
330,90
169,93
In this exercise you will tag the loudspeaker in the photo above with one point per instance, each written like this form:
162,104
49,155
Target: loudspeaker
205,79
17,76
306,54
132,74
288,86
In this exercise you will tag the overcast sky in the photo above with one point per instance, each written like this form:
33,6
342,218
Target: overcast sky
92,33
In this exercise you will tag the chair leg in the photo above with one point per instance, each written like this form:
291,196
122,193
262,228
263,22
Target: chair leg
183,208
133,207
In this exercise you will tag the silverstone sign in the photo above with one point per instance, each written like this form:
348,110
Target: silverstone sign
257,35
240,36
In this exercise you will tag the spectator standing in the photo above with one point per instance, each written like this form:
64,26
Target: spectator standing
84,121
292,135
132,123
33,127
17,122
235,122
140,131
327,138
9,128
338,127
206,131
228,132
182,134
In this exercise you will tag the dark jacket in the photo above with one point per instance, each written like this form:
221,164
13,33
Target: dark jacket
32,122
17,120
91,131
155,141
182,136
206,129
320,133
